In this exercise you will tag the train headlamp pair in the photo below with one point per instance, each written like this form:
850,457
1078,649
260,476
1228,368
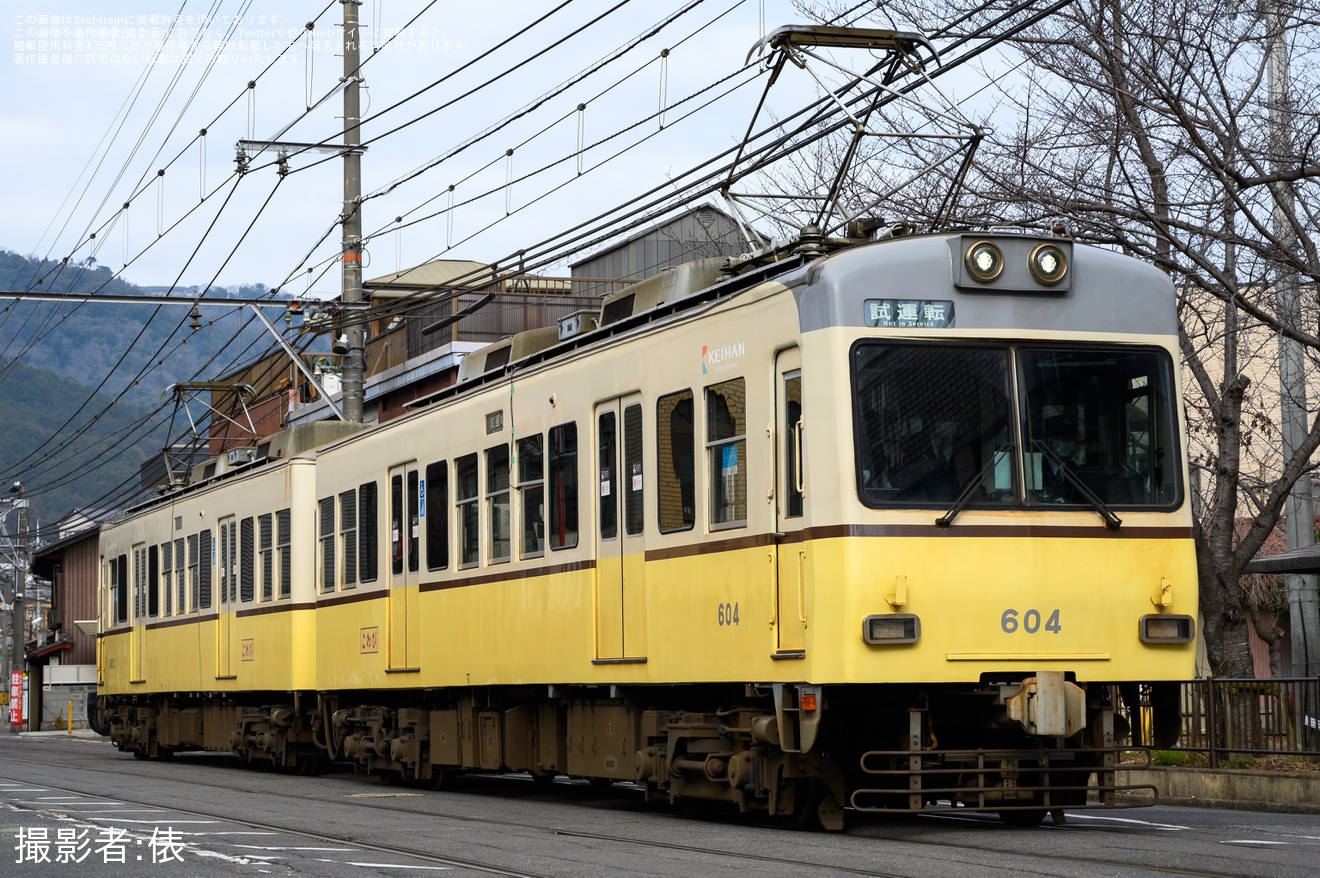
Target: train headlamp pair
1047,263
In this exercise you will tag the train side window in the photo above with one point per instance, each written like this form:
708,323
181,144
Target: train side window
437,515
563,499
348,524
531,495
327,539
180,577
396,525
793,444
676,458
139,586
265,526
726,448
204,572
119,587
223,558
368,550
167,575
634,511
414,522
245,556
497,502
194,573
467,494
608,493
233,560
130,583
153,580
284,543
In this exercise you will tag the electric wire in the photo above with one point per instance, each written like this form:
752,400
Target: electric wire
702,186
560,237
157,309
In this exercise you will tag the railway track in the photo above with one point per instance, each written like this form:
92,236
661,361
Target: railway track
396,801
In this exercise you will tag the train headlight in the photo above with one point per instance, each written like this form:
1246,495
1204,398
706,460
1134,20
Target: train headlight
1048,264
891,628
1166,628
984,261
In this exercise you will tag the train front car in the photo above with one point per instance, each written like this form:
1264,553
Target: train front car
1009,543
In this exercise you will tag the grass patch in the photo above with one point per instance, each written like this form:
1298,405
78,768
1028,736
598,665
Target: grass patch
1179,758
1193,759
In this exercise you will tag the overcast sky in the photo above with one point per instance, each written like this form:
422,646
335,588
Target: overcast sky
76,148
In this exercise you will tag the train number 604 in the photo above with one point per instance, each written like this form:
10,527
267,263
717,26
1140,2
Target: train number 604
728,614
1030,622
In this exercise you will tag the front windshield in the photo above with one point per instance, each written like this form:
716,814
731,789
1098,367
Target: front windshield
935,424
931,419
1104,415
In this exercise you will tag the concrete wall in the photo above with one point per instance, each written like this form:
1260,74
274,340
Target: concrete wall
55,706
1230,788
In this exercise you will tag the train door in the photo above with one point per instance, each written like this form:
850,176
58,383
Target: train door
790,611
224,615
620,599
404,628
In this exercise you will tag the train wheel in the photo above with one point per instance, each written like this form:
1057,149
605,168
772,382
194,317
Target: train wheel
141,754
693,808
543,779
443,778
308,766
808,793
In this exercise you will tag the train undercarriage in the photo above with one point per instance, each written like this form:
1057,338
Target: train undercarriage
799,754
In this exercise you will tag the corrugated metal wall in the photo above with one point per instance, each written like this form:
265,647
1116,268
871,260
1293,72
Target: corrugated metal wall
75,595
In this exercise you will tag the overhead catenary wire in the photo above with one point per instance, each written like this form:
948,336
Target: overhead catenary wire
123,356
141,187
611,223
562,236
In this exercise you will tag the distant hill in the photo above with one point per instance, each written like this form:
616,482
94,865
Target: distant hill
86,342
97,467
54,356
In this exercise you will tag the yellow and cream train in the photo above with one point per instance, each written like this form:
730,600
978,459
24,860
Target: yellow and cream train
880,527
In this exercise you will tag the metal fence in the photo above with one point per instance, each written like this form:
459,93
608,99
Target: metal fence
1228,719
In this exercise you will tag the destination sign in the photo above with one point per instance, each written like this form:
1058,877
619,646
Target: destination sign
905,313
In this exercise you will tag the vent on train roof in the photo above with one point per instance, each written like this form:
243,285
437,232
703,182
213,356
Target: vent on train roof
671,285
617,309
497,359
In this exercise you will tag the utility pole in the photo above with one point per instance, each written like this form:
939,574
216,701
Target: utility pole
351,294
353,307
1303,601
18,557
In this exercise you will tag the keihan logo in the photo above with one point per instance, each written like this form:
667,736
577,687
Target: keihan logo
721,358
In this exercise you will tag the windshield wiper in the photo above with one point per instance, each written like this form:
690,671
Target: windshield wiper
1112,521
969,488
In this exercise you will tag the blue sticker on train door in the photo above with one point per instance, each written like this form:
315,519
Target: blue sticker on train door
421,497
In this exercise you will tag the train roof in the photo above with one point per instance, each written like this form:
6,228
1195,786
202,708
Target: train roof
836,282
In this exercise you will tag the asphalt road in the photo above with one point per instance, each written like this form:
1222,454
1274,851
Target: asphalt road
73,806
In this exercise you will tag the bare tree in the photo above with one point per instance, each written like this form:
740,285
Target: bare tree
1143,125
